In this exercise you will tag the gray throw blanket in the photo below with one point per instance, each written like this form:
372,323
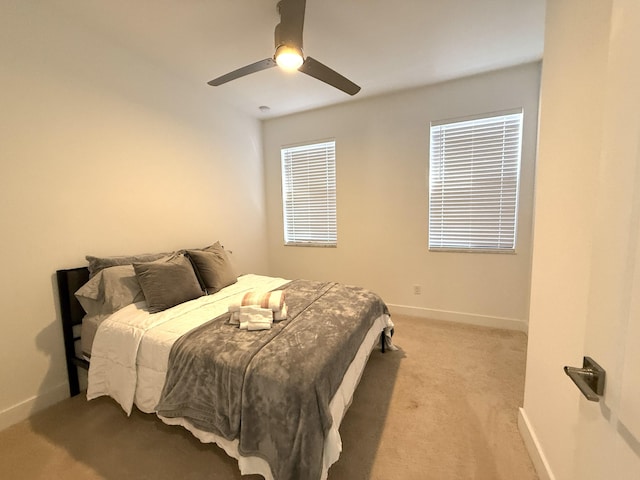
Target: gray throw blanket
272,388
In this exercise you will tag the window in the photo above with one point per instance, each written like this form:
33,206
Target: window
309,194
473,183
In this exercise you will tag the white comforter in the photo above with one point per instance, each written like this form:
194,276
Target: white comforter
131,348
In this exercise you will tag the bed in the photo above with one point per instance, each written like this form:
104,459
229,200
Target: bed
271,393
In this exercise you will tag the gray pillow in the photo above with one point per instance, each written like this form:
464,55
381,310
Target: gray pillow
168,284
214,267
110,290
99,263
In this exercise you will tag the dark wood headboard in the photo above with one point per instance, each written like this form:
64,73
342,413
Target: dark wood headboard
69,281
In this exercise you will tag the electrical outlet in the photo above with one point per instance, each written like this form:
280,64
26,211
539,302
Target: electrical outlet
417,289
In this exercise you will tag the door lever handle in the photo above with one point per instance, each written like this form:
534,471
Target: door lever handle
589,379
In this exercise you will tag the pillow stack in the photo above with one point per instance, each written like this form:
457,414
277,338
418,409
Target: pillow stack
164,280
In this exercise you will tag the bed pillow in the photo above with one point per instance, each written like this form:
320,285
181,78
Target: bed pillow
167,284
214,267
99,263
110,290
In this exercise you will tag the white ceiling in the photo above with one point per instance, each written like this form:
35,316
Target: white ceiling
382,45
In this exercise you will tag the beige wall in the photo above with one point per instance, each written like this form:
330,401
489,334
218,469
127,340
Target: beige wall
382,149
571,94
103,153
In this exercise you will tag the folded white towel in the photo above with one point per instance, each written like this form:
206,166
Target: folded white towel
251,326
235,318
255,318
273,301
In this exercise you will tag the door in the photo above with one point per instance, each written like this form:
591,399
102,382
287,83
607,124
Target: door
608,433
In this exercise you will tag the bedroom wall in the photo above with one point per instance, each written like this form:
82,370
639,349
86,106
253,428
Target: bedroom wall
103,152
382,149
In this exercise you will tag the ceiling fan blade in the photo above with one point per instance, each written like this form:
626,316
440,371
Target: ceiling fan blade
289,31
323,73
241,72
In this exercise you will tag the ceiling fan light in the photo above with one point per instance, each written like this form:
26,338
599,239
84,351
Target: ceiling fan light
289,58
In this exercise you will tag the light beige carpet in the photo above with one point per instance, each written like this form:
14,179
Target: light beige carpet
443,407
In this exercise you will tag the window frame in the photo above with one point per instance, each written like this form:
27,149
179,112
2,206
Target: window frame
298,236
439,196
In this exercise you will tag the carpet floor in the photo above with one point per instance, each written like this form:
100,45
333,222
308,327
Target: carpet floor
443,407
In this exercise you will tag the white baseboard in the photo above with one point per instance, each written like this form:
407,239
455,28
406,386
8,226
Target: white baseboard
533,447
25,409
460,317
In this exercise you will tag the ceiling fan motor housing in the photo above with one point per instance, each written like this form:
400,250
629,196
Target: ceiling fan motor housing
288,32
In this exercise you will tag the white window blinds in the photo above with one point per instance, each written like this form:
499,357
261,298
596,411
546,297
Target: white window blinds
473,183
309,194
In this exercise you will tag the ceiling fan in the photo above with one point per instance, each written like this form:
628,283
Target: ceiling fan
288,54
